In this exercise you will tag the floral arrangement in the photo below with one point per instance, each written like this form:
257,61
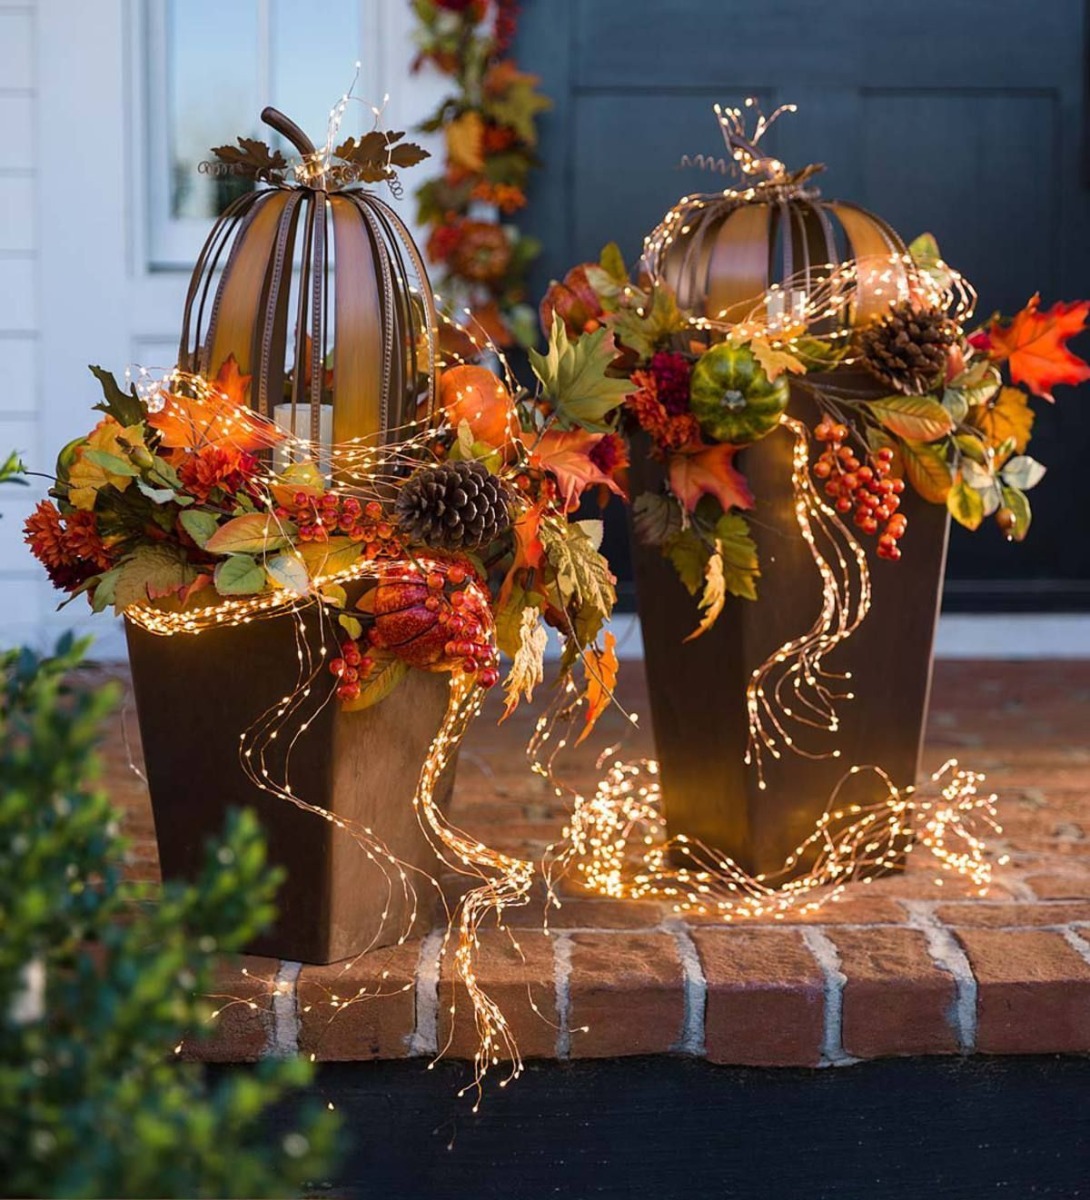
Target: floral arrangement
489,125
955,424
431,553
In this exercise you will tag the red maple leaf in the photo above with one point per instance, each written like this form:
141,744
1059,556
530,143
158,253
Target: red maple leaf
568,456
1034,344
709,470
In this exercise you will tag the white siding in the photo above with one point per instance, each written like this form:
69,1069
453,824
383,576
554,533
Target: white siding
22,591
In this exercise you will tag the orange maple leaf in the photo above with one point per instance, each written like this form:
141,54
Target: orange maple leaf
1034,344
709,470
568,457
601,668
219,418
529,548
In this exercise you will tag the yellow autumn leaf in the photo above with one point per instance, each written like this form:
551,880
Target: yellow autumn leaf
465,140
528,666
86,477
715,593
1006,415
775,360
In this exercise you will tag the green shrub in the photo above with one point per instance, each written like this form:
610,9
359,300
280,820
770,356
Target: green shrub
98,982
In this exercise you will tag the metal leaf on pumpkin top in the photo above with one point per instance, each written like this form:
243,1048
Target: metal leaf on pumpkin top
376,157
251,158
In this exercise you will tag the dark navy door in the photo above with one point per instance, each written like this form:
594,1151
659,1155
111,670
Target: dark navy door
967,118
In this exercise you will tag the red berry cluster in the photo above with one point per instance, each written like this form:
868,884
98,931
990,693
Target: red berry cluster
350,668
862,488
321,517
468,645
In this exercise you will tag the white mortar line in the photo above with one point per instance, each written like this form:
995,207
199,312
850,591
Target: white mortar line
947,954
425,1035
691,1040
283,1039
1077,943
828,959
562,946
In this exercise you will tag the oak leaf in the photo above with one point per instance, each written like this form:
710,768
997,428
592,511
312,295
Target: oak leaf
714,595
528,666
251,158
1035,345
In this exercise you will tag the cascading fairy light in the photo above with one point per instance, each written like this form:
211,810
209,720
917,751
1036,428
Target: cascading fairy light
799,661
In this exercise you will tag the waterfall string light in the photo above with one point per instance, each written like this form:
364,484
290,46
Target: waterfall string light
798,664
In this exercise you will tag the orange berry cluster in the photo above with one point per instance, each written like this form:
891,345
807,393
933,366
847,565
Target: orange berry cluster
350,668
321,517
862,488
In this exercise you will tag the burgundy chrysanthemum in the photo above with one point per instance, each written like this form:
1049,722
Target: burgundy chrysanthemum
609,454
671,372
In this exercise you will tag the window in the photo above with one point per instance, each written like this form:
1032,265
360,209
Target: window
212,67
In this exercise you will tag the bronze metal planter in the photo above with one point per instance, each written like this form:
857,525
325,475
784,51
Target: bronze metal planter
698,689
196,695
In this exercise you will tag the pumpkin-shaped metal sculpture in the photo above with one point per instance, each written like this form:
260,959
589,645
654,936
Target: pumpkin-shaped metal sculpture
314,270
774,245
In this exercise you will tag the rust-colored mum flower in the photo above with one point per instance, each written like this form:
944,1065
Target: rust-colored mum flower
69,548
44,534
669,432
82,539
216,467
483,253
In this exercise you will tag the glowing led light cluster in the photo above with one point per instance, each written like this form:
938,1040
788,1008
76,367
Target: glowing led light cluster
615,843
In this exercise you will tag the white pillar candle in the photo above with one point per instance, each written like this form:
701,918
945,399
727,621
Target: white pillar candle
301,448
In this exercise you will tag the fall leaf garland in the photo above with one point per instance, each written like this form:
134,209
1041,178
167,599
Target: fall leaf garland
489,126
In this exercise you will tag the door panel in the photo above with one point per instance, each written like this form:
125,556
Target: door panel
962,117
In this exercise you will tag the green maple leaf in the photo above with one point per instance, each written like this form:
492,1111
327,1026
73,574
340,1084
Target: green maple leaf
518,107
583,577
740,565
573,376
646,327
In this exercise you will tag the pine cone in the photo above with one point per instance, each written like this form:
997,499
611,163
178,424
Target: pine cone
907,348
454,506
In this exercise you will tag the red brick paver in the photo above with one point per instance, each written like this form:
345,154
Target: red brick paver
898,967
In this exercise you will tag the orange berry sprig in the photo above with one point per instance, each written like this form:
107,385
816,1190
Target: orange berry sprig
862,488
319,518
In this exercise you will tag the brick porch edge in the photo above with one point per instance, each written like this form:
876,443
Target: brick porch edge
869,977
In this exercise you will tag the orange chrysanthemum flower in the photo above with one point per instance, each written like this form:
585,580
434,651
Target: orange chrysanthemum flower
44,534
669,432
83,541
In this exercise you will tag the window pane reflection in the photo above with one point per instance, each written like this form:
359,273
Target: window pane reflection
212,89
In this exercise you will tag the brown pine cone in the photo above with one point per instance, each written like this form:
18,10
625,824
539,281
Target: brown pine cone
907,348
453,506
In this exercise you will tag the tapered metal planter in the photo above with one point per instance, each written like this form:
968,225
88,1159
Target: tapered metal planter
196,695
698,689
